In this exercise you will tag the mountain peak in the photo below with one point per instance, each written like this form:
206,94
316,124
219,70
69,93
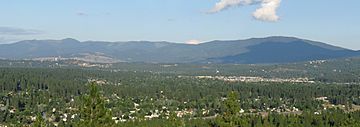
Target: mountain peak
69,40
277,39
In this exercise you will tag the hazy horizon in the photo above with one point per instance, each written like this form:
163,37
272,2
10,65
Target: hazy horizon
180,21
190,43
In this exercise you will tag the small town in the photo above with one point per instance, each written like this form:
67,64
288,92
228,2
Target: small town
255,79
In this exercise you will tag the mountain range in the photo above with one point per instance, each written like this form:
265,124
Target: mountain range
267,50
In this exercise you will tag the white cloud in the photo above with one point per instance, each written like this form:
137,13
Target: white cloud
267,11
193,42
224,4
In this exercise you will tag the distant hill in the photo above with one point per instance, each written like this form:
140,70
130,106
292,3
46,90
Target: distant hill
250,51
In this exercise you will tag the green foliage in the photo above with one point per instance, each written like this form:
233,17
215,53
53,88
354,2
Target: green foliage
40,122
93,112
231,116
32,91
231,104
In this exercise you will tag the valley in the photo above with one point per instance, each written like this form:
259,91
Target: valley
143,94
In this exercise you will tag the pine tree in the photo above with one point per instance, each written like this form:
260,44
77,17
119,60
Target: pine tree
230,117
93,111
40,122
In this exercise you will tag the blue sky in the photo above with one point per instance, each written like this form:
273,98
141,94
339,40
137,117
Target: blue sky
333,22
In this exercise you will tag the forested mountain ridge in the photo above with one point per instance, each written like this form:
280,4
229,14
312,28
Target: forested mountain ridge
250,51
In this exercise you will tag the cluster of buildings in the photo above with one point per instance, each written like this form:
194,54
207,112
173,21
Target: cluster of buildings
255,79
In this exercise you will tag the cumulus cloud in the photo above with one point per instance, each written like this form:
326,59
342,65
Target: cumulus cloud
17,31
224,4
267,11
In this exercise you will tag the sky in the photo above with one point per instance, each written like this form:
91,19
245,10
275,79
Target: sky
182,21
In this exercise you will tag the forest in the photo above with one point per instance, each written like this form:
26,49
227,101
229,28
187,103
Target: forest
75,96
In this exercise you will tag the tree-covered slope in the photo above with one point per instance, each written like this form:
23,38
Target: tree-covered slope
253,51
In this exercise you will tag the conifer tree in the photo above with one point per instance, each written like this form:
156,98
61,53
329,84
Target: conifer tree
93,111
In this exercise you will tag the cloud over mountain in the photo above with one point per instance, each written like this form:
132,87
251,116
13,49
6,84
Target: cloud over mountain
193,42
267,11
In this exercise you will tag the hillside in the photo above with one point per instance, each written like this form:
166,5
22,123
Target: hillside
250,51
